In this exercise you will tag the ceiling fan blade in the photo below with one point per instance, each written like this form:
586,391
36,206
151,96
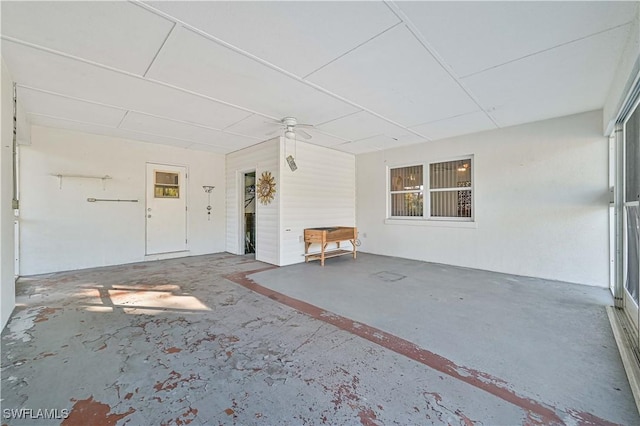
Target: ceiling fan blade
308,126
303,134
273,132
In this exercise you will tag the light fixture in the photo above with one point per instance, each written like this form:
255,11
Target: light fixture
208,189
290,134
463,168
292,163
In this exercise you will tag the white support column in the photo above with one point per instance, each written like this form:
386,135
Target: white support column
7,235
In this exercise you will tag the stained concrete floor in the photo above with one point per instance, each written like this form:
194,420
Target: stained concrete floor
223,339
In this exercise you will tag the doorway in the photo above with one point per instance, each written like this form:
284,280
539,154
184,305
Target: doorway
166,209
631,217
249,213
626,284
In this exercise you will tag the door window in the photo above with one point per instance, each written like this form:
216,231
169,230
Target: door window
167,185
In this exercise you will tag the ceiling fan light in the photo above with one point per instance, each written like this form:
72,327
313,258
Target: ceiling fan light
290,134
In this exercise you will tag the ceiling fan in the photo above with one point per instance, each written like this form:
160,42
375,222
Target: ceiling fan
292,128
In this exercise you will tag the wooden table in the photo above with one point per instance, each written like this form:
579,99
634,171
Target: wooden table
324,236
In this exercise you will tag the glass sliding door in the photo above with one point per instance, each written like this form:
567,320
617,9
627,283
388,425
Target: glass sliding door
631,218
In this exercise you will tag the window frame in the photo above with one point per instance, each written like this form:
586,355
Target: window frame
390,192
466,188
427,218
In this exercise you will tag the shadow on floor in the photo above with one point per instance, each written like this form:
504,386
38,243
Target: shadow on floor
180,342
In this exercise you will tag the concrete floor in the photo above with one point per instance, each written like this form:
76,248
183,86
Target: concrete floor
374,341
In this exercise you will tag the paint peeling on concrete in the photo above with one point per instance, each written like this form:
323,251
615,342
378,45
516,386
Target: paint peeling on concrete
44,313
587,419
22,321
173,381
445,415
493,385
368,417
266,362
185,418
90,412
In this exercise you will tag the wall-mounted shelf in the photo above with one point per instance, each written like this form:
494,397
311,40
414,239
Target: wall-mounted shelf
102,178
117,200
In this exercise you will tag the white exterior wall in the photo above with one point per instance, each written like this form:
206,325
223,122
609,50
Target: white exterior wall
321,192
540,194
261,158
7,237
60,230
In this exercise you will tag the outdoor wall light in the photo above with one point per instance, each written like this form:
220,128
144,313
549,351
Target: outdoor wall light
208,189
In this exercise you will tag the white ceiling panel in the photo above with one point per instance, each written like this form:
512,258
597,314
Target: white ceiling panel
37,102
115,33
154,125
362,146
493,33
357,147
572,78
299,37
105,131
193,62
409,139
255,126
454,126
80,80
536,110
364,68
322,139
395,76
361,125
380,142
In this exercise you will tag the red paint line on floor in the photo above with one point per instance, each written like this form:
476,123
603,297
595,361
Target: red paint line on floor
493,385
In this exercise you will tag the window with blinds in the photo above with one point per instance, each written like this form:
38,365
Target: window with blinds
446,180
448,191
407,191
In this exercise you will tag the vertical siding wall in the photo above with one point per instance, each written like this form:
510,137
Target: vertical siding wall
261,158
60,230
540,194
321,192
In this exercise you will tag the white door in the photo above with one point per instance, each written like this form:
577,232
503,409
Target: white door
166,208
